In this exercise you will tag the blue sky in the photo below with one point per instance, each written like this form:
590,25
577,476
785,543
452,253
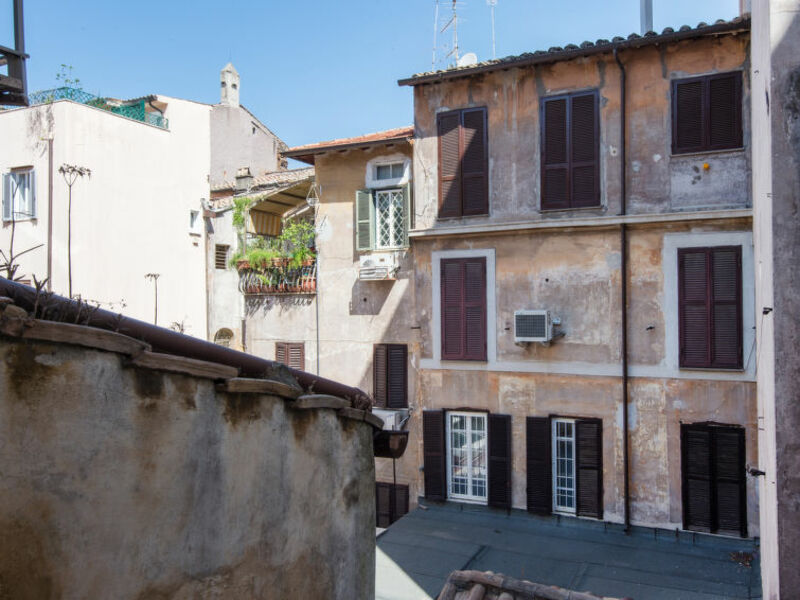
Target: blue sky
311,70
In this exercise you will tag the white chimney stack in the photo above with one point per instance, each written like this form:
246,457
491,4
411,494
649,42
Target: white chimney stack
229,86
646,15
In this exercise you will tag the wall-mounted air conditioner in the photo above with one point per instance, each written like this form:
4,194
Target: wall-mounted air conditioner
377,266
532,326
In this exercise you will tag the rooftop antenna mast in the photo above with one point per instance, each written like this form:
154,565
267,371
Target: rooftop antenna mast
435,32
454,23
492,4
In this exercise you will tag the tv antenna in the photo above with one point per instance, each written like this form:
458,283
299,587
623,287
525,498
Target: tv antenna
452,56
492,4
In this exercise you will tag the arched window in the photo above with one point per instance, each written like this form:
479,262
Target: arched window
223,337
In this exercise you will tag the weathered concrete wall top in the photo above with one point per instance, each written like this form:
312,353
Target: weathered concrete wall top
120,481
657,181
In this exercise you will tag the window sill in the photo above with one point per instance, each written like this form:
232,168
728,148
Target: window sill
549,211
714,369
455,218
468,501
707,152
25,220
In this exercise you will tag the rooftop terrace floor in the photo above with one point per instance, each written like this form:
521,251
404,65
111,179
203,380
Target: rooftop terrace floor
417,553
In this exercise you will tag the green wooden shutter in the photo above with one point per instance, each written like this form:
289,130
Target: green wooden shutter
406,214
365,220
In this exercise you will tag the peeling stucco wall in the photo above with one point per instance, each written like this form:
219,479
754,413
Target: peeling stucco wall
124,482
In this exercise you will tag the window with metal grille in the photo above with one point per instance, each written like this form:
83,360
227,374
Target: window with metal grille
710,307
221,256
291,354
382,218
463,163
707,113
569,151
390,375
19,195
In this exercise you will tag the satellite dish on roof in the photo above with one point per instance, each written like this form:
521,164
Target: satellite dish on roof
469,59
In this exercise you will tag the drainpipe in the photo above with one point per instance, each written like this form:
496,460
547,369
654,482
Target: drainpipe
623,244
50,214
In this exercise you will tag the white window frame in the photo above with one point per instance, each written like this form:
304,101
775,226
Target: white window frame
11,191
469,497
195,222
555,439
371,175
393,216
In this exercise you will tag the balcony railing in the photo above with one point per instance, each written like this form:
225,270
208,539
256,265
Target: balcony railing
278,280
134,110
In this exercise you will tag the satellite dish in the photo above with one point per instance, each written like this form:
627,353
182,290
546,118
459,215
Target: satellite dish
469,59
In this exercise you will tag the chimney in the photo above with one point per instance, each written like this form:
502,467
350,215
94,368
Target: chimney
244,179
646,15
229,86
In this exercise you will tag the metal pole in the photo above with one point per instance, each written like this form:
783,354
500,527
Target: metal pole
155,315
69,240
646,15
50,215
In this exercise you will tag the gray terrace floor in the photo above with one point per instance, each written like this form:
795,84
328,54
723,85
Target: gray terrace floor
417,553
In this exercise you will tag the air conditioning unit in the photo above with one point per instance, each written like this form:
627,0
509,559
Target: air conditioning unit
532,326
377,266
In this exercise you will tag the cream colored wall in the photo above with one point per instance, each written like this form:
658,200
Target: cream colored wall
131,217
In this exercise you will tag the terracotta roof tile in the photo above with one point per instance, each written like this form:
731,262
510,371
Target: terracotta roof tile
371,138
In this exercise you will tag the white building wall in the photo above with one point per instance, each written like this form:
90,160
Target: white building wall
131,217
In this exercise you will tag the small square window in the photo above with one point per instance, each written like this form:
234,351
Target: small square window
389,171
19,195
194,222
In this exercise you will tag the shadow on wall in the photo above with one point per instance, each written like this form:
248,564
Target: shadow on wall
368,297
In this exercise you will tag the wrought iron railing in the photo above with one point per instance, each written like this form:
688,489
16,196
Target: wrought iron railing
278,280
134,110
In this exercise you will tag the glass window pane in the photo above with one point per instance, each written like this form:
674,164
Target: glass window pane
383,172
397,170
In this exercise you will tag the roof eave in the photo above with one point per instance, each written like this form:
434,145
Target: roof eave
739,25
307,155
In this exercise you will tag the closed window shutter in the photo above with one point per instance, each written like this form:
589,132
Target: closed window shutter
555,159
688,125
474,179
729,480
397,376
693,321
726,307
383,501
297,358
449,131
584,185
474,309
499,460
433,450
365,220
589,467
400,506
539,468
7,197
725,111
379,373
280,353
696,472
452,276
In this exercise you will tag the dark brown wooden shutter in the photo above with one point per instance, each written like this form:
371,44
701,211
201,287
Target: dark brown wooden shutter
539,468
584,172
379,373
280,353
400,506
710,307
696,472
688,120
729,480
383,502
474,343
725,111
221,256
449,130
693,321
452,283
433,450
726,307
499,460
397,376
474,177
555,158
589,467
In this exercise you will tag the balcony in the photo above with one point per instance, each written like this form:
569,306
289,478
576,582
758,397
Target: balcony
278,279
136,110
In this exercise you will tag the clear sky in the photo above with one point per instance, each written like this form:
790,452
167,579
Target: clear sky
311,70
